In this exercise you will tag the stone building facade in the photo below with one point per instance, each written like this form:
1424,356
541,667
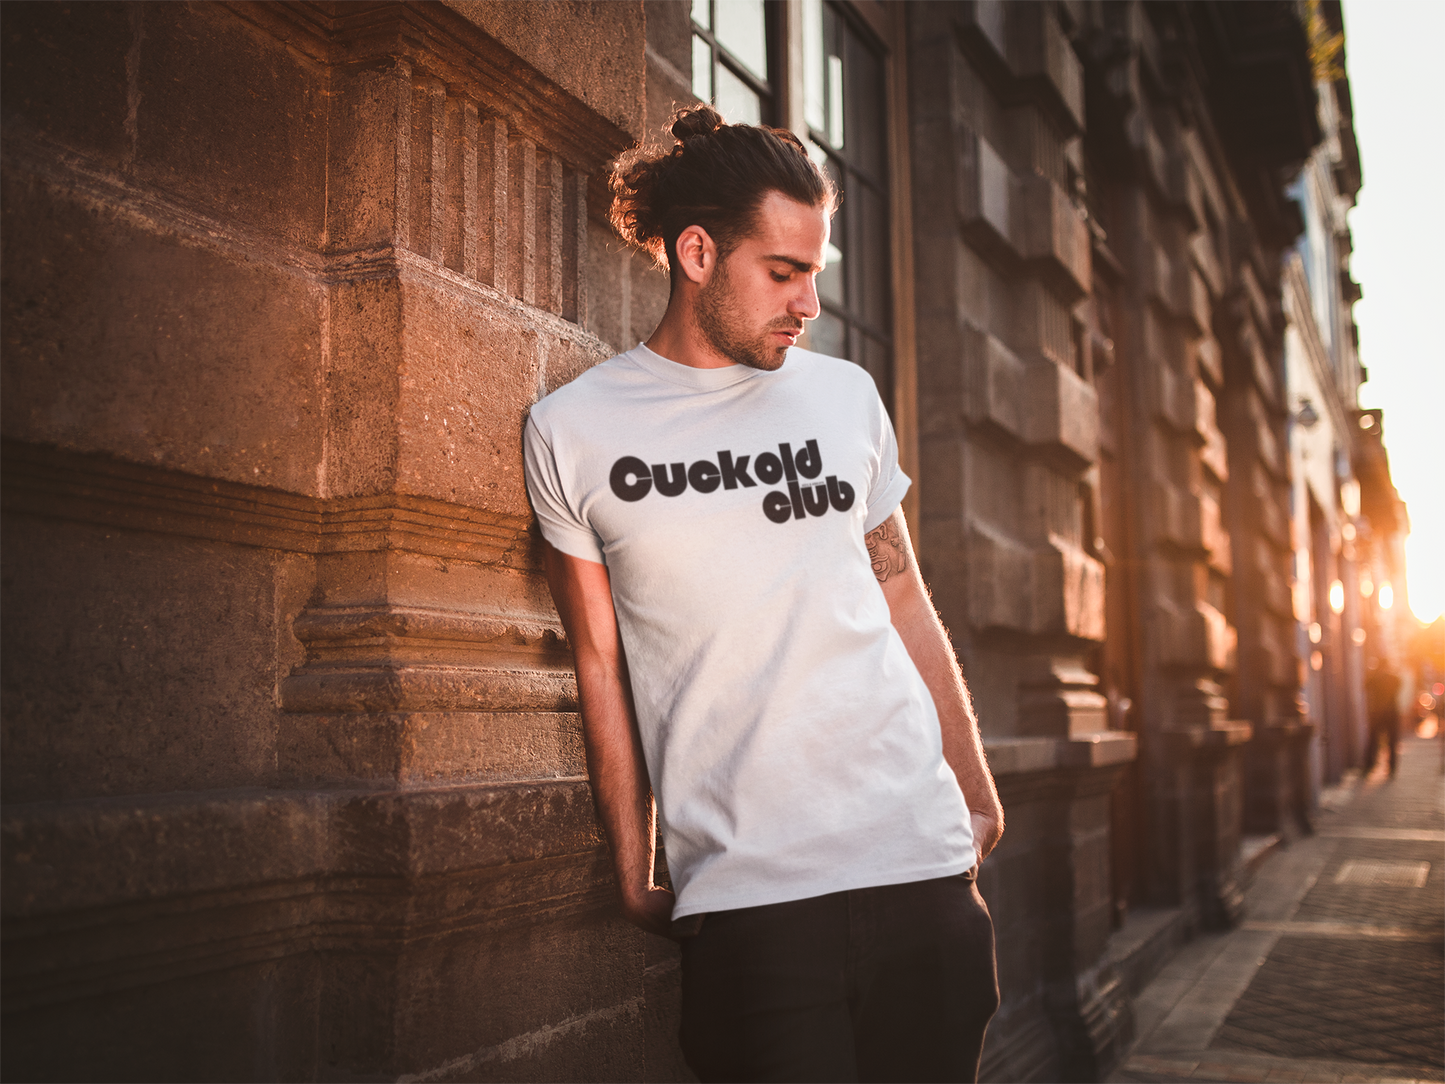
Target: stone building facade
293,778
1333,444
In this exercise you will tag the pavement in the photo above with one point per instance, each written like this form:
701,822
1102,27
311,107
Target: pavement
1337,972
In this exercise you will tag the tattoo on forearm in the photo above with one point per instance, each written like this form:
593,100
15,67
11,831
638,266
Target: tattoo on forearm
887,550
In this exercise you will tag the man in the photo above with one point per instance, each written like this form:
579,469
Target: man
754,643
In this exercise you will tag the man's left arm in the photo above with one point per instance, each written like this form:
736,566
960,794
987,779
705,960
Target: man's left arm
927,641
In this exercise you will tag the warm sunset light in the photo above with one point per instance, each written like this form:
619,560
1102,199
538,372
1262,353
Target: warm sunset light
1337,597
1387,596
1425,570
1399,340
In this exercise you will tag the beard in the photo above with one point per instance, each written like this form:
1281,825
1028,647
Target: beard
725,326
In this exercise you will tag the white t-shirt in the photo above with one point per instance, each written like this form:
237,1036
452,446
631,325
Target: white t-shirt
792,745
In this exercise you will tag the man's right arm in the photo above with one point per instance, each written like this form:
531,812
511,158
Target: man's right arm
582,591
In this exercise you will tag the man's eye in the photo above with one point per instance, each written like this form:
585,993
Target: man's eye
779,276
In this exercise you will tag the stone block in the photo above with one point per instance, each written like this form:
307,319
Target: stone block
1050,232
1040,54
1028,58
138,662
122,339
1213,535
245,141
1000,579
257,1024
428,748
998,386
1172,398
1210,360
1199,307
594,50
65,76
1027,218
469,371
986,196
1058,698
1054,589
1068,593
362,388
1176,515
228,896
1215,453
366,184
663,1062
1063,412
1197,638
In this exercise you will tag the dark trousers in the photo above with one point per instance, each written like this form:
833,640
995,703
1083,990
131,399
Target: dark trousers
889,983
1384,730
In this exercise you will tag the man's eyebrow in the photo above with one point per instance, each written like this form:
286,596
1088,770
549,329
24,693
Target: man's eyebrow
799,265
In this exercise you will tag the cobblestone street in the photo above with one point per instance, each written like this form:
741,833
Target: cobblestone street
1336,972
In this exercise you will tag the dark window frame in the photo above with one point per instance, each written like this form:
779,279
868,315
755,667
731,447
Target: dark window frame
770,105
851,312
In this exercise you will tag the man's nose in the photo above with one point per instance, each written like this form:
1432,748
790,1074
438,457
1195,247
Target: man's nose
805,301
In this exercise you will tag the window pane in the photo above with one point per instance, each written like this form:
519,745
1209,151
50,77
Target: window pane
830,279
814,102
741,31
878,360
872,248
736,100
820,156
701,69
701,14
864,74
835,102
828,335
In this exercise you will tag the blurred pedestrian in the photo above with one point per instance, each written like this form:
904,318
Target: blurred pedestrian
1382,695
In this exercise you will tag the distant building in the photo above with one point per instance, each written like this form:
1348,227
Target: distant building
293,778
1331,596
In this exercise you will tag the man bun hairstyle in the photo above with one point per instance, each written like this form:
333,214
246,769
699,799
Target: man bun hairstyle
715,176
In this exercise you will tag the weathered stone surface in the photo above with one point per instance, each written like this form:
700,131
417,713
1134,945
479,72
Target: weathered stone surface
127,335
592,49
137,662
280,285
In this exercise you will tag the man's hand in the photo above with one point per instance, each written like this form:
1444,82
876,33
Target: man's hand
651,909
891,552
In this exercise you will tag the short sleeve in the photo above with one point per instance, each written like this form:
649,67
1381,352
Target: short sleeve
889,482
560,523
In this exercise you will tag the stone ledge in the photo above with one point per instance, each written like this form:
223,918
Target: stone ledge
104,852
58,484
389,688
1218,737
1105,749
1149,938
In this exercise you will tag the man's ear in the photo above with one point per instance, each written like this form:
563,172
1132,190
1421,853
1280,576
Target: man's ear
696,255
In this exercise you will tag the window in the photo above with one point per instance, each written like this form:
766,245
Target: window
732,48
838,104
845,102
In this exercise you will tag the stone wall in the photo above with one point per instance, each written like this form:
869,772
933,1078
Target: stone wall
293,776
1009,447
1104,491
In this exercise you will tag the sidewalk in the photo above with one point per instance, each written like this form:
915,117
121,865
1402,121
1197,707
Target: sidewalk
1336,972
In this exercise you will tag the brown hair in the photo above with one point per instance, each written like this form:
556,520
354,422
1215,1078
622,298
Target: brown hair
715,176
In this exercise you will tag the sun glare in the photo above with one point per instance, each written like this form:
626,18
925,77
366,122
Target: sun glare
1425,567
